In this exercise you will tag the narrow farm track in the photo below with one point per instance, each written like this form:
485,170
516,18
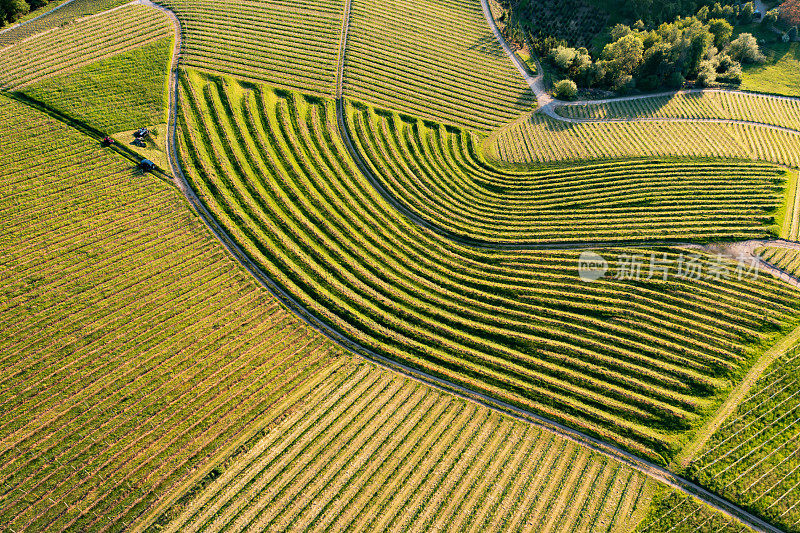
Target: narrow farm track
652,470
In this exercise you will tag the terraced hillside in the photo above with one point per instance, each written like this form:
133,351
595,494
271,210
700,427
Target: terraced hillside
119,93
133,349
635,362
433,59
754,457
437,173
60,17
371,451
543,139
81,43
763,109
292,44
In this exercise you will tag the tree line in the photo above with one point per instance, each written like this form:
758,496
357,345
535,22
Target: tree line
12,10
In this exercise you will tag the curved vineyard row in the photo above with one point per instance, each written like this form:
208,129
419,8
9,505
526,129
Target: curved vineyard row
434,59
373,451
133,349
543,139
633,362
60,17
435,172
289,44
85,41
749,107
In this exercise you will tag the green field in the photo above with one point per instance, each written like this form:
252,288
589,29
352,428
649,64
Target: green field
784,258
65,14
779,75
433,59
269,168
292,44
711,104
543,139
439,174
120,93
66,49
369,450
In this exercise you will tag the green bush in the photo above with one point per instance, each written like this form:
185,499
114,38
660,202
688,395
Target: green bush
566,90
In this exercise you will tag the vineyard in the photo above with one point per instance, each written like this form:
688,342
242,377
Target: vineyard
372,451
438,174
755,456
60,17
432,59
134,350
543,139
119,93
635,362
672,512
763,109
85,41
786,259
290,44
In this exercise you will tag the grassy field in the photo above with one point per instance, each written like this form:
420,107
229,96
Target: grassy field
134,350
735,106
438,173
120,93
76,45
292,44
780,74
542,139
432,59
673,512
620,359
371,451
61,17
754,457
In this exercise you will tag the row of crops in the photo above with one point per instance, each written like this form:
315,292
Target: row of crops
86,41
633,361
133,349
60,17
371,451
290,43
750,107
787,259
754,458
674,512
543,139
436,172
434,59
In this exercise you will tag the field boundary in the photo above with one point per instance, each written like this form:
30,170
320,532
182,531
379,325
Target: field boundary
59,6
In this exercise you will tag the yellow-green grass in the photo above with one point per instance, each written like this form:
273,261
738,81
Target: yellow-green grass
433,59
292,44
754,457
673,512
543,139
119,93
63,50
759,108
368,450
154,147
637,363
437,173
134,349
787,259
60,17
779,75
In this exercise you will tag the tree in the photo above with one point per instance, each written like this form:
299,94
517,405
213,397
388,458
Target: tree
745,49
792,33
747,12
566,89
562,57
722,32
624,55
771,17
790,12
11,10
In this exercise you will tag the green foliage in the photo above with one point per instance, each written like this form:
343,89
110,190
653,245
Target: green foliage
672,511
119,93
570,22
722,30
745,49
565,89
11,10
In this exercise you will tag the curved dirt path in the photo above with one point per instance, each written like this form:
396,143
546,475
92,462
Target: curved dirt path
648,468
